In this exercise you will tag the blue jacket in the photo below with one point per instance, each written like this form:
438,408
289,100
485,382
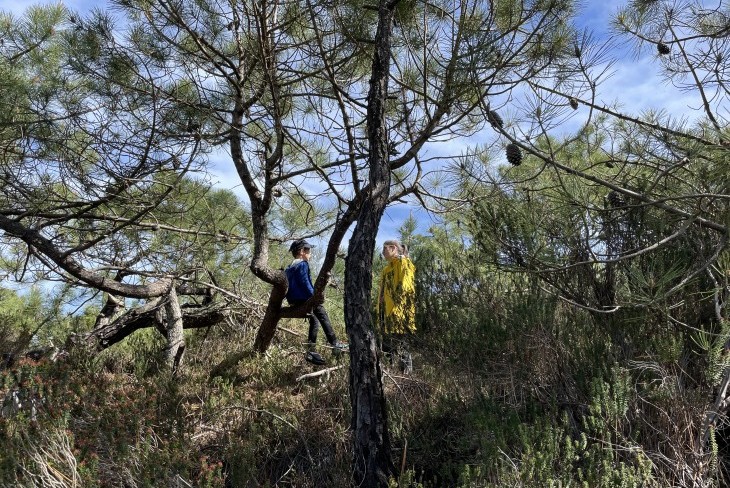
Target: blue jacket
300,281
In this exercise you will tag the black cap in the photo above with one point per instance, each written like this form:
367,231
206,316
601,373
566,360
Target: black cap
300,244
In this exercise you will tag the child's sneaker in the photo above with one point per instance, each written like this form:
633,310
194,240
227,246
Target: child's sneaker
314,358
338,348
341,346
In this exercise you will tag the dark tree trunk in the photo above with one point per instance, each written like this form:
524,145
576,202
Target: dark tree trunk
371,451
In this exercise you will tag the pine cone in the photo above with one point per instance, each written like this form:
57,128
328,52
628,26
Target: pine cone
573,103
615,199
663,48
514,154
494,119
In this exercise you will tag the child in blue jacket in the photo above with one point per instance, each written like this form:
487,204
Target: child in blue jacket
300,290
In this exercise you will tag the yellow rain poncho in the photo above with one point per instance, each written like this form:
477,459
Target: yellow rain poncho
397,297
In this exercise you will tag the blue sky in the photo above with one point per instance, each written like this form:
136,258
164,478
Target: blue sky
633,84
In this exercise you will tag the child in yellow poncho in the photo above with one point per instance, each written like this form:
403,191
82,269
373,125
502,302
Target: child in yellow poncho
397,302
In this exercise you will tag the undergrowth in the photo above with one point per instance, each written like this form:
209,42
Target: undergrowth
529,396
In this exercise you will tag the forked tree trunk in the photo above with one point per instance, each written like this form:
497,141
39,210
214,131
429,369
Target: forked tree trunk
371,450
275,311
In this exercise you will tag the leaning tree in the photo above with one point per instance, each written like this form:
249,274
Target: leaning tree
85,165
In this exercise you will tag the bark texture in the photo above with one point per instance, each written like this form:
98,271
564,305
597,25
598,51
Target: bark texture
174,332
273,314
371,451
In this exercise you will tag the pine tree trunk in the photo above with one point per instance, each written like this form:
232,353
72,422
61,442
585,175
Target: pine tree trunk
371,451
174,328
267,329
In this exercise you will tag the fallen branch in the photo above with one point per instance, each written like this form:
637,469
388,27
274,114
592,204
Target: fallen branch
292,332
319,373
149,315
386,373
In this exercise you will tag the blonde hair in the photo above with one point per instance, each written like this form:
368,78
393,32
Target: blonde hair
402,248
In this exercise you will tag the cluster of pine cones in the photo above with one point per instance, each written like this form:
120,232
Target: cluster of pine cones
514,153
